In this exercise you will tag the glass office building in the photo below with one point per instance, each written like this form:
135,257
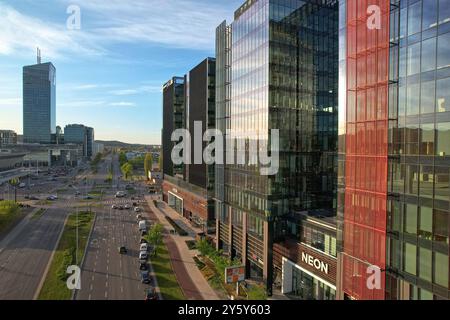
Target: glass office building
395,119
39,103
277,69
82,135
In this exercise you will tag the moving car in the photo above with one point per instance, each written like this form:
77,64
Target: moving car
145,277
123,250
52,198
150,294
120,194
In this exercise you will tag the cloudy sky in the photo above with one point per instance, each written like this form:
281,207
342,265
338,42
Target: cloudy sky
110,71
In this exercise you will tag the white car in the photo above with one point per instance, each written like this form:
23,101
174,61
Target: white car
127,207
144,247
114,207
143,255
137,209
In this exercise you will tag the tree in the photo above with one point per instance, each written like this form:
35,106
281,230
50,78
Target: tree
14,183
155,236
127,170
122,158
148,164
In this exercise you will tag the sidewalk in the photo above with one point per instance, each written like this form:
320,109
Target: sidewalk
191,280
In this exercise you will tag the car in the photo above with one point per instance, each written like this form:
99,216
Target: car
143,267
143,240
123,250
22,185
52,198
77,193
150,294
144,247
145,277
139,217
87,198
144,233
143,256
114,207
33,198
137,209
120,208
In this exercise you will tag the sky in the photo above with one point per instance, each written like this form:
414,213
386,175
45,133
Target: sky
110,71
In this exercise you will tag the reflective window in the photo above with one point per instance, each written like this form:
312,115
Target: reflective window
440,226
443,139
411,219
414,59
442,190
412,107
441,269
410,258
428,97
427,139
426,223
444,11
425,264
443,52
414,18
429,54
443,95
411,183
429,14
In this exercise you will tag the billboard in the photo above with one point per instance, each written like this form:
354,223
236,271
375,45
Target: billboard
234,274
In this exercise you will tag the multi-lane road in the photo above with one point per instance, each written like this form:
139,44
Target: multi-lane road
106,275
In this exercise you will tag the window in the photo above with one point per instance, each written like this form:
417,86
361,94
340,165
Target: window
411,219
444,11
440,226
441,269
414,18
412,107
442,190
411,183
443,139
443,95
428,97
429,55
429,14
414,59
443,53
426,223
410,259
425,264
427,139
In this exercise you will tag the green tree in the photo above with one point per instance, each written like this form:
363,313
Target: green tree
127,170
148,164
122,158
155,236
14,183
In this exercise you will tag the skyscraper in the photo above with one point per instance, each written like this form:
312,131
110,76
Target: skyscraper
277,69
82,135
394,167
39,103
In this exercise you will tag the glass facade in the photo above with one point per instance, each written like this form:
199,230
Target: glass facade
307,287
419,144
283,76
39,103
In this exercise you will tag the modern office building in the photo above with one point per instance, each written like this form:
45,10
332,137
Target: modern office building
277,68
190,189
82,135
39,103
394,163
7,137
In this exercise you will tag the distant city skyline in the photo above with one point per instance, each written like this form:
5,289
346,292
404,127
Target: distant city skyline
111,71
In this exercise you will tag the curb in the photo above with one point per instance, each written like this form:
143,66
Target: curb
47,268
88,241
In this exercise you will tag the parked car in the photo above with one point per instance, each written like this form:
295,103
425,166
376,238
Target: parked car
150,294
143,267
143,240
144,247
114,207
143,256
137,209
145,277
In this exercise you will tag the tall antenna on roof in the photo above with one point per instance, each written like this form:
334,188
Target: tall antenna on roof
39,56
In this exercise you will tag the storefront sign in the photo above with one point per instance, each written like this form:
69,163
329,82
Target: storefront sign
316,263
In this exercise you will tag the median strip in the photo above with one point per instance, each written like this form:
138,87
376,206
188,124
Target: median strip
55,287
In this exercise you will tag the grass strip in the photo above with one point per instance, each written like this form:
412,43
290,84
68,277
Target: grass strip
55,287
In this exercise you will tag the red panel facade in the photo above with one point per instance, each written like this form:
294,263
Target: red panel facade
366,159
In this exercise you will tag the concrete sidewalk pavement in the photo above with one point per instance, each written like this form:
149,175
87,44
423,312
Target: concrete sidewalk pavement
191,280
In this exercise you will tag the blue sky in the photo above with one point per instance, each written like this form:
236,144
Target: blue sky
110,72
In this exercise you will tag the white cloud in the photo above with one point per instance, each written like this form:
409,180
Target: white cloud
21,33
122,104
140,90
10,102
